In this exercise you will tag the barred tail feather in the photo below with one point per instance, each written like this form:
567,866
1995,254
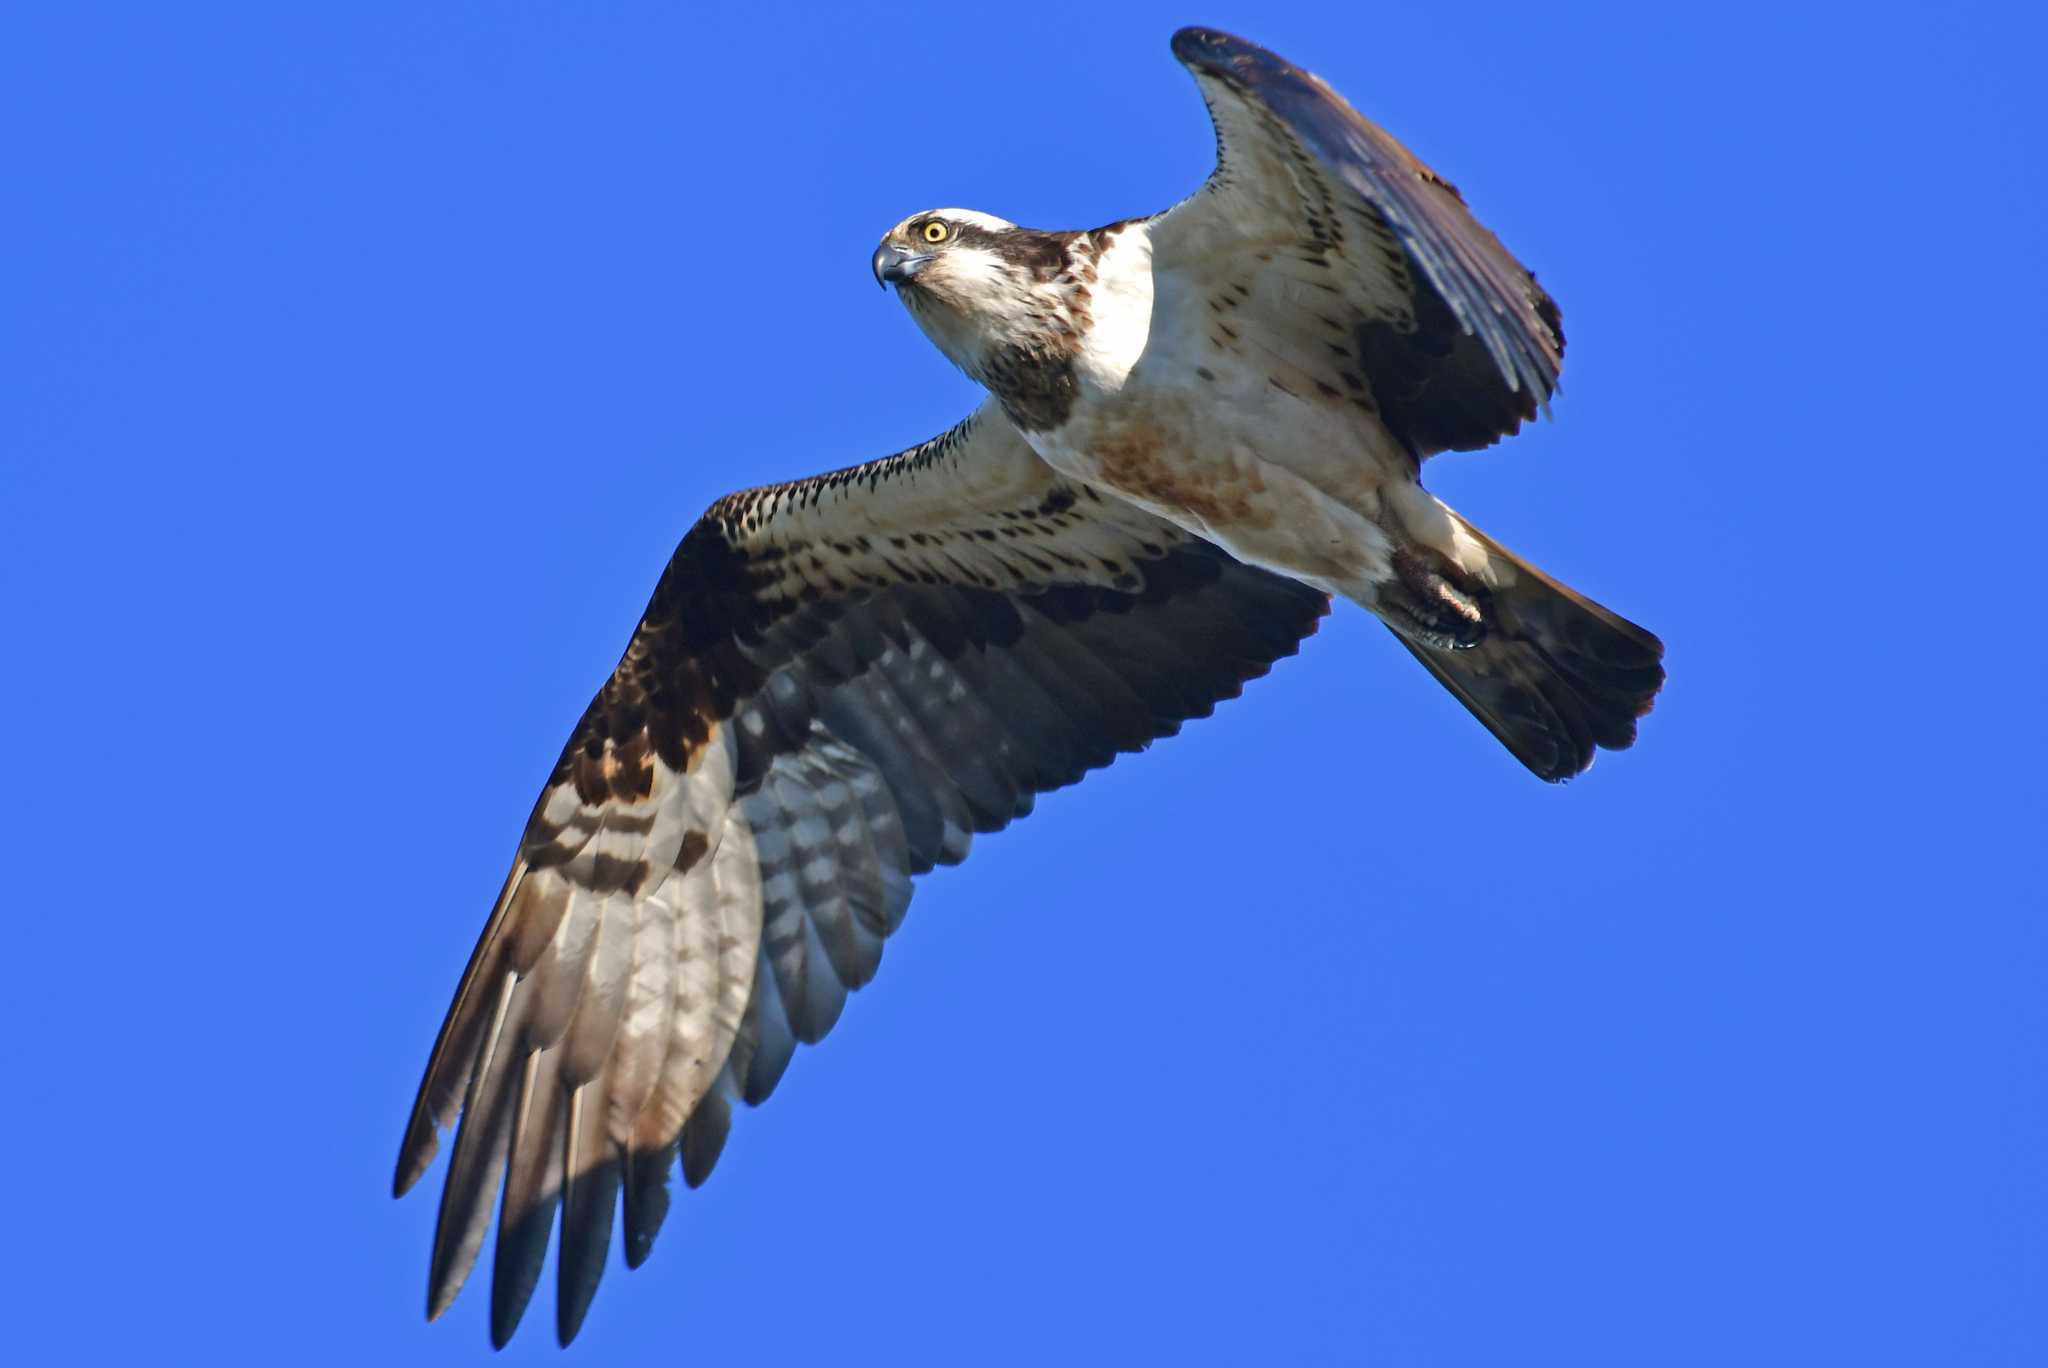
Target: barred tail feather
1555,675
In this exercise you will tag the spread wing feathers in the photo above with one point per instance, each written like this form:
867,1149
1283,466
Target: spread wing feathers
837,683
1324,250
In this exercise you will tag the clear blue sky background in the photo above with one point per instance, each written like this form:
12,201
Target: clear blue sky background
361,364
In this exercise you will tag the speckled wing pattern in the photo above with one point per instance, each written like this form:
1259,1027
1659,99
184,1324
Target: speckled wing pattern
1323,251
838,682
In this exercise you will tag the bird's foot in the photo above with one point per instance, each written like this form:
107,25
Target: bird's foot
1433,601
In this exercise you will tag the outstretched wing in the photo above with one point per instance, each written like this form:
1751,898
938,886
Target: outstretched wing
837,683
1346,267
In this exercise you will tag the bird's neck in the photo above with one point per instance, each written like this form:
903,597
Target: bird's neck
1034,359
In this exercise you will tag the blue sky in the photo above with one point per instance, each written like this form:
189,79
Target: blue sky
363,363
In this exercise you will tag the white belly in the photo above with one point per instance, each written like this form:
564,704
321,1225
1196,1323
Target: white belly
1276,481
1211,443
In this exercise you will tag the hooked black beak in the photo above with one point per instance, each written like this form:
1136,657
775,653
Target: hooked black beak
893,265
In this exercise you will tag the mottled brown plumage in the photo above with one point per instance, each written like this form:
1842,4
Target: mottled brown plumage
838,682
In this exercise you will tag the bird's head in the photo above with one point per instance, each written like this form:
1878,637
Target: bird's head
979,285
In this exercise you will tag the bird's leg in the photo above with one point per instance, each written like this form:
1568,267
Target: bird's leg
1432,600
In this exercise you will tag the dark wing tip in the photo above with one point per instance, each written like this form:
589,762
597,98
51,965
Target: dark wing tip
1227,57
1219,53
1196,45
415,1156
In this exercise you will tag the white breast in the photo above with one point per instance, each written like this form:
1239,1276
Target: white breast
1120,310
1205,440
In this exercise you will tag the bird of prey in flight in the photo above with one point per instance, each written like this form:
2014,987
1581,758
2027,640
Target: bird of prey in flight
1199,427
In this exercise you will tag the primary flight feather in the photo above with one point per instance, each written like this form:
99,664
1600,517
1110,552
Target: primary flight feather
1201,426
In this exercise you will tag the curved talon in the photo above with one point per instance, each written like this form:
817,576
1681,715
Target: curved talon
1446,615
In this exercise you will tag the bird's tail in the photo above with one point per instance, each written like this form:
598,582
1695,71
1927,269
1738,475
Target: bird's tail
1552,674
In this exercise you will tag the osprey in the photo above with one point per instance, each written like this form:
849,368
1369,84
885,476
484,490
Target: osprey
1200,426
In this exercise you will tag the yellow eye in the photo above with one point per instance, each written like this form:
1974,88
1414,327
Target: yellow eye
935,232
